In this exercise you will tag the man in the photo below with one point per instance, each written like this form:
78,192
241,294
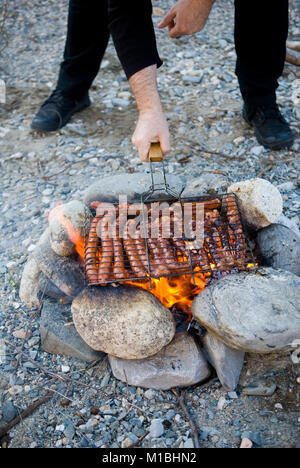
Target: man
261,29
90,23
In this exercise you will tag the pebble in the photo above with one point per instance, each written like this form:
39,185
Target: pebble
257,150
121,102
237,141
149,394
22,334
260,389
156,428
9,411
232,395
222,403
191,78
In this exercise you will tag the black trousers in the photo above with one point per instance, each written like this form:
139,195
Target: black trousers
90,24
261,28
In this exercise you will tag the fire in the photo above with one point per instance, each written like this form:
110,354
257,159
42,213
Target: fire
176,291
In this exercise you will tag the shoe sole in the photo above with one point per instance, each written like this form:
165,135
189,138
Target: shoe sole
44,128
273,146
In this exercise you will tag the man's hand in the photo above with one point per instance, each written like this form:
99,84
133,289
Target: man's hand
152,126
187,17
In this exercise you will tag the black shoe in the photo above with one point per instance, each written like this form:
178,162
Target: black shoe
57,111
271,130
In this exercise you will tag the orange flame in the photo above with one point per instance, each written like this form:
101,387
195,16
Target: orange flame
176,291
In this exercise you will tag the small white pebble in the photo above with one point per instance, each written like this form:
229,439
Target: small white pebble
222,403
278,406
60,428
65,369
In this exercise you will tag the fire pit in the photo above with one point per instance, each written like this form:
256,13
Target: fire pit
136,273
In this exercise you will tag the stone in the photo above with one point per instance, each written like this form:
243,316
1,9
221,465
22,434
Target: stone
48,288
59,336
246,443
257,150
9,411
156,428
110,188
227,362
208,183
125,322
29,286
68,223
260,389
260,202
279,248
180,364
65,272
22,334
289,223
256,312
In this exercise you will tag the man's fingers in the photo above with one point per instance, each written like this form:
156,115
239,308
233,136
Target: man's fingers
165,144
175,32
144,149
167,19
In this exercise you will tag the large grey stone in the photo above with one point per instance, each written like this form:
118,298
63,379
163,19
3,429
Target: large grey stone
48,288
207,183
255,312
132,185
180,364
227,362
126,322
58,336
260,202
290,223
65,272
280,248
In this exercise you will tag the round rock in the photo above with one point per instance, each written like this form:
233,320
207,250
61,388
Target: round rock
260,202
125,322
255,312
280,248
131,185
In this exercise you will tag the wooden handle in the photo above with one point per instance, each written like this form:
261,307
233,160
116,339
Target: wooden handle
155,153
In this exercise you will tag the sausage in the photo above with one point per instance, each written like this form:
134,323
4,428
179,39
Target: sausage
158,266
91,254
119,271
107,251
131,248
236,231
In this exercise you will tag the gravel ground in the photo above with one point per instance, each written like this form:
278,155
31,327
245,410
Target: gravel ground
201,99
